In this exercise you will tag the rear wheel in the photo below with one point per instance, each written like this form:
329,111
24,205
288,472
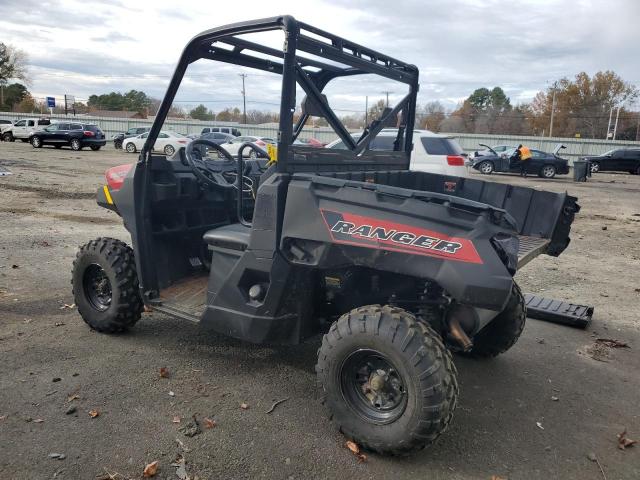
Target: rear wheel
76,145
36,142
117,144
486,168
105,285
503,331
387,379
130,147
548,171
169,150
595,167
95,148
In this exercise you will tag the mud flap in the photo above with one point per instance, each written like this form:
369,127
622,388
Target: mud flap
557,311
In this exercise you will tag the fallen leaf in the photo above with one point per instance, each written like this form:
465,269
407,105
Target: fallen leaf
94,413
355,449
496,477
67,305
624,442
244,406
164,372
209,423
176,419
150,470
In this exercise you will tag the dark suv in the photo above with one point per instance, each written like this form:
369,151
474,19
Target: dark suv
76,135
118,139
618,160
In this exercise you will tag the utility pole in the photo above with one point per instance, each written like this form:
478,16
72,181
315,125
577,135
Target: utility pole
244,99
553,110
387,94
615,128
366,110
609,124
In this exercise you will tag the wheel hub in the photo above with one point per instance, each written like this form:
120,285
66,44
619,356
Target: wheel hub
373,387
97,287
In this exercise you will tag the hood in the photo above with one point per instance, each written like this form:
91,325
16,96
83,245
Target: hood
558,148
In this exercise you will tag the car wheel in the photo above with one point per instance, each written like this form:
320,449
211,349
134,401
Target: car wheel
130,147
169,150
8,137
486,168
117,145
595,167
36,142
95,148
76,145
548,171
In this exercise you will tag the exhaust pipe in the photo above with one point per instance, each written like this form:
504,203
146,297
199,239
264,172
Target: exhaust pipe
458,334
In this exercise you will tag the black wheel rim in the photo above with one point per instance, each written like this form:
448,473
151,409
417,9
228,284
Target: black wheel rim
97,287
373,387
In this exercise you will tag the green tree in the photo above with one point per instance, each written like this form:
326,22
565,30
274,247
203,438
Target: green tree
13,94
132,101
202,113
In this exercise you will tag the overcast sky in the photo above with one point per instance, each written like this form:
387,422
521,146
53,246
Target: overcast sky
85,47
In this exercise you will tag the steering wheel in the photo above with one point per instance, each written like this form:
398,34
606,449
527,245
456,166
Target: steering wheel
208,172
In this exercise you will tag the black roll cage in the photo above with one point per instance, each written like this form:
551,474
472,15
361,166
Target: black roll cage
312,75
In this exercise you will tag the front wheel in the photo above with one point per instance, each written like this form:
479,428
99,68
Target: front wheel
105,285
169,150
131,148
504,330
486,168
8,137
595,167
548,171
36,142
76,145
387,379
95,148
117,144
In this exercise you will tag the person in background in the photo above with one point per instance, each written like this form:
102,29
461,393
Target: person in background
521,156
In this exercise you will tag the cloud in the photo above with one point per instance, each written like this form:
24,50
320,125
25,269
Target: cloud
459,45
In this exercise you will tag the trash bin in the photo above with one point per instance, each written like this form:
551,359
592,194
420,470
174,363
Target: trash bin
581,170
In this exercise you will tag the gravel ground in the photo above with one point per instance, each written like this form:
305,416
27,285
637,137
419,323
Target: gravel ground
546,409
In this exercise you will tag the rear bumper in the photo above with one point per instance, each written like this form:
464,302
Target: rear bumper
92,142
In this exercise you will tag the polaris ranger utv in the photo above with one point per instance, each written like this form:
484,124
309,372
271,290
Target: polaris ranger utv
396,268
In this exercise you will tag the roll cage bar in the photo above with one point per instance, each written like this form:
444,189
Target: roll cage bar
312,75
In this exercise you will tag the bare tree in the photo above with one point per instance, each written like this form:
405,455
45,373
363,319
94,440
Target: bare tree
13,65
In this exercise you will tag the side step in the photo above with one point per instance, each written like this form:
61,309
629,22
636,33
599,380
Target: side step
557,311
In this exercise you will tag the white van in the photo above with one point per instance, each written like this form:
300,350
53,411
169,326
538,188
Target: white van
432,152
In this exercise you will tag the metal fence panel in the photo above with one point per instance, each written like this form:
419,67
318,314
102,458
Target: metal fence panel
576,147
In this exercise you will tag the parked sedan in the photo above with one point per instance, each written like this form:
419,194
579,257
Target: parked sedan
543,164
234,145
617,160
76,135
118,138
496,148
167,142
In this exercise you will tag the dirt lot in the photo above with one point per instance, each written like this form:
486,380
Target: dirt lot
537,412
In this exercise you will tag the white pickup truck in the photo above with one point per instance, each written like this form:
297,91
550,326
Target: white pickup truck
22,129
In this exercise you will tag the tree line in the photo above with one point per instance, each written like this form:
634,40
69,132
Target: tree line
583,106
